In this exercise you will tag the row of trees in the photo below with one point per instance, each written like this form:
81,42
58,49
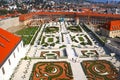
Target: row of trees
5,11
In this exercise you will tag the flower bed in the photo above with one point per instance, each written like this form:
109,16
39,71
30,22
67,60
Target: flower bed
91,53
99,70
51,71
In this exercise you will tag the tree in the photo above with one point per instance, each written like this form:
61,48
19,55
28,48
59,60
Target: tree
3,12
22,11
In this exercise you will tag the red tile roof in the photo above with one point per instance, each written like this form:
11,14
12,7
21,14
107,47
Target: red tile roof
2,17
8,43
115,25
91,14
112,25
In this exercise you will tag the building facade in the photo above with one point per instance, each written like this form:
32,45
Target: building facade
85,17
11,51
111,29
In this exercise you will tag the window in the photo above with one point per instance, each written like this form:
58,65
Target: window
18,49
21,44
3,70
9,61
14,55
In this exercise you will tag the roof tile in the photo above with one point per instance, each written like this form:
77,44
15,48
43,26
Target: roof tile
8,43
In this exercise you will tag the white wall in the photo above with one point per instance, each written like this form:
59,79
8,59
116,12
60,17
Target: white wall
114,33
10,22
14,61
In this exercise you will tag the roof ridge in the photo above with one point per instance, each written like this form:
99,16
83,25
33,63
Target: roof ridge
2,36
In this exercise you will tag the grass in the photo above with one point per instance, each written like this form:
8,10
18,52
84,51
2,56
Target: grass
43,40
89,42
81,38
35,35
57,39
51,29
27,31
62,46
27,34
50,39
74,29
50,54
26,39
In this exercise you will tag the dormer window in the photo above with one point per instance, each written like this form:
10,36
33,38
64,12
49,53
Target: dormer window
3,70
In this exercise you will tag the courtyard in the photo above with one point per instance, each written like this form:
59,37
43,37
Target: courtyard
51,56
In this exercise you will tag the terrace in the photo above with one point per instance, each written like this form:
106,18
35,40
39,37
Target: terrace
49,60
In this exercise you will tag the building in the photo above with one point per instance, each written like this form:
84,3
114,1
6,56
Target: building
83,17
111,29
11,51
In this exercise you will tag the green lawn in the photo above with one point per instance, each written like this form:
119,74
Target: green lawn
51,29
62,46
27,31
81,38
27,34
50,54
50,39
74,29
26,39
